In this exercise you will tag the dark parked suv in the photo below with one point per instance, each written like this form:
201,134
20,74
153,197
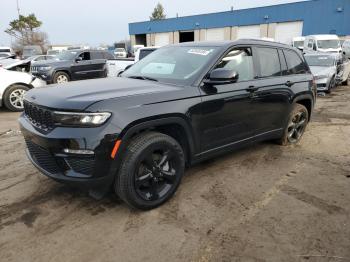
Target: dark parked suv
73,65
180,105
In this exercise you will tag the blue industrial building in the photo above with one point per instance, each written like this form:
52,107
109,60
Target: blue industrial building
280,22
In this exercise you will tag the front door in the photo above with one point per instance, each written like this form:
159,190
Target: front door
225,109
81,69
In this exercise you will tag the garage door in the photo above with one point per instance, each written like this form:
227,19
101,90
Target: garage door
251,31
216,34
286,31
162,39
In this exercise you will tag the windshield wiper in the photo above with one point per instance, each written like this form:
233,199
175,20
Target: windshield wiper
143,78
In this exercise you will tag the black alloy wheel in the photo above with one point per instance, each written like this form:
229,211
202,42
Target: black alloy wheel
296,127
156,174
150,171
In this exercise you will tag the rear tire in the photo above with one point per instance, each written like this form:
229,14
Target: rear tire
151,171
13,97
61,77
297,123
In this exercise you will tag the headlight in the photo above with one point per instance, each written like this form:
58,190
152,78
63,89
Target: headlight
44,68
80,119
321,77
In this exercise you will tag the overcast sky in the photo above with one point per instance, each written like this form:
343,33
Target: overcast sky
106,21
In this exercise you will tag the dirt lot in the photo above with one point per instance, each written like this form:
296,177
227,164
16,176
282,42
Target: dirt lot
264,203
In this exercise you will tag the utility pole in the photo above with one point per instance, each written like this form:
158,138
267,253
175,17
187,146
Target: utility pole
18,8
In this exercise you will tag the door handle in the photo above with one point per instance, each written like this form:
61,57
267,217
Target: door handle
289,83
252,89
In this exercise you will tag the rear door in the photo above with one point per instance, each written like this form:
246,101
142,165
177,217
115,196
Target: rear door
272,95
98,64
82,69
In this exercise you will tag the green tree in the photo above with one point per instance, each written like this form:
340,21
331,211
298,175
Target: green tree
25,30
158,13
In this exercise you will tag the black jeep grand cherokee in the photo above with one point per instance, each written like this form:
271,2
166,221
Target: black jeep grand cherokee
180,105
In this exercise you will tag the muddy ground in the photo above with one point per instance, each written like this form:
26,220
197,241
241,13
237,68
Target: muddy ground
263,203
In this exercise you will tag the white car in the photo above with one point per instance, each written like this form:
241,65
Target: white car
120,52
13,86
298,42
144,51
322,43
346,48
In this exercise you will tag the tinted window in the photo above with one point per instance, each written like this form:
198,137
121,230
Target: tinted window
145,52
108,56
85,55
269,62
241,61
97,55
294,62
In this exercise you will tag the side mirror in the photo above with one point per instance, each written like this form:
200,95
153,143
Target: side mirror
78,59
344,53
222,76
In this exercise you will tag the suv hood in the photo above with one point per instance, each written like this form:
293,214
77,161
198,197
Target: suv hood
53,63
81,94
322,70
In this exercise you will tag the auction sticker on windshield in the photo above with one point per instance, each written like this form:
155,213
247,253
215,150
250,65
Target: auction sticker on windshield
200,51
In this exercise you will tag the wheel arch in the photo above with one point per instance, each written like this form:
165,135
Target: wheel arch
14,84
64,70
175,126
307,101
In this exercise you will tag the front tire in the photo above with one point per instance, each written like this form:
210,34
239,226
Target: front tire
151,170
331,85
61,77
13,97
297,122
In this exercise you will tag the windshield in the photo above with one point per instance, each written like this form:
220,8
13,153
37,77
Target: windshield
7,50
298,44
67,55
174,64
325,44
320,60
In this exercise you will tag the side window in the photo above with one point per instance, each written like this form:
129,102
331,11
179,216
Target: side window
310,44
108,56
241,61
97,55
283,63
269,62
295,64
40,58
85,56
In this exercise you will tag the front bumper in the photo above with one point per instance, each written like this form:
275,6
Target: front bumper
46,76
322,84
90,172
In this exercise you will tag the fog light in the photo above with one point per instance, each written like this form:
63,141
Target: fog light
78,152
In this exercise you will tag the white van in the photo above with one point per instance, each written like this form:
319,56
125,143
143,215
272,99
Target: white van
298,42
322,43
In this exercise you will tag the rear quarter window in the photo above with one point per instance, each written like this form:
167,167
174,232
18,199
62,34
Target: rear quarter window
294,63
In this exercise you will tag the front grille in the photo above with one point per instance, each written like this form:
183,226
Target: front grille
39,116
34,69
43,158
81,165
